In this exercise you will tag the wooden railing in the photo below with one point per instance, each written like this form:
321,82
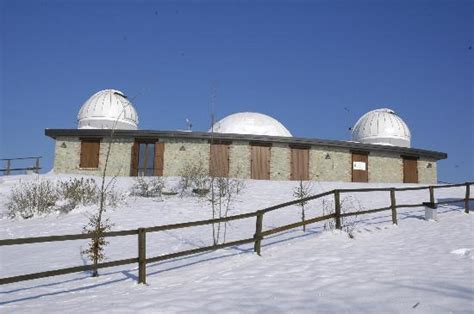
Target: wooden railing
8,165
257,237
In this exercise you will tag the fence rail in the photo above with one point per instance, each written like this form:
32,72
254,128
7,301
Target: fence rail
8,165
257,237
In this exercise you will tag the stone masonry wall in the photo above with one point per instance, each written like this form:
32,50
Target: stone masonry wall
280,162
336,168
68,152
385,168
239,160
179,153
427,174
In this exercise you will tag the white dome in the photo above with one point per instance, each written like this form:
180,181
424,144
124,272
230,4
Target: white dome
107,109
382,126
250,123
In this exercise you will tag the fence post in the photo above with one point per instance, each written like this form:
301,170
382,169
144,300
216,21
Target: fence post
258,233
432,198
141,255
337,201
393,204
468,196
37,165
7,172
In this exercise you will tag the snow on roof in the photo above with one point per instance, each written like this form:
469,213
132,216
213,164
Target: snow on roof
250,123
107,109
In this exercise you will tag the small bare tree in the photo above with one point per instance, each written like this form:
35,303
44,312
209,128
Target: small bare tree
301,191
223,193
97,225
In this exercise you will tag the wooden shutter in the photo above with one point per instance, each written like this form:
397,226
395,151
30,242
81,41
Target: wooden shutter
159,158
299,164
260,163
134,160
360,167
410,170
219,160
90,150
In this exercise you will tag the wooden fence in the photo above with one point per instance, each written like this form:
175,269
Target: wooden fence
8,165
256,238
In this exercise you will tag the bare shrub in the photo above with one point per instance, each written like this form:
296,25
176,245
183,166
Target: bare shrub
31,198
148,187
194,176
348,224
328,209
113,198
79,191
43,196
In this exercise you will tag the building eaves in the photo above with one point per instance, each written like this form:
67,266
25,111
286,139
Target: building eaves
149,134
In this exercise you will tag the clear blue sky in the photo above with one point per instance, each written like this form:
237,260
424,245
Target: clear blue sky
300,62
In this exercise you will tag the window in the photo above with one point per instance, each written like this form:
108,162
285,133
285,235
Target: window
146,153
147,159
90,150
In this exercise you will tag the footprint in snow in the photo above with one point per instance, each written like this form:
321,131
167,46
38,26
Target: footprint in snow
464,252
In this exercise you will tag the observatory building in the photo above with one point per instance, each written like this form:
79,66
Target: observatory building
250,123
107,109
246,145
382,127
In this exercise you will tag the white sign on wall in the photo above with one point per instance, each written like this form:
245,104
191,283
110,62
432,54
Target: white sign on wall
359,165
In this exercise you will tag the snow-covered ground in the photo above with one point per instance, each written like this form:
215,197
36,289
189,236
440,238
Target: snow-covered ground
420,266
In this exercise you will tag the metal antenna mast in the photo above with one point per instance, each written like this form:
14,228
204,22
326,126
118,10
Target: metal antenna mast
213,104
212,175
349,118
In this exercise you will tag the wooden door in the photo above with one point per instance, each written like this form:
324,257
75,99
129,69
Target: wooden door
260,162
360,167
219,160
299,164
159,159
410,170
90,153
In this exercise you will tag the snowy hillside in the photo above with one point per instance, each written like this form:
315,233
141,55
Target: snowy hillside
423,266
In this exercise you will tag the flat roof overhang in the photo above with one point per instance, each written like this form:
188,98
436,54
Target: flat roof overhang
149,134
